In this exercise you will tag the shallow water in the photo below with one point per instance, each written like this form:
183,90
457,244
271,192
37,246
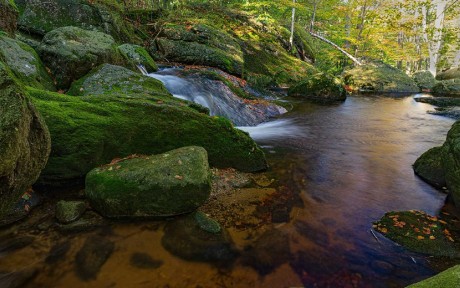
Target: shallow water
350,163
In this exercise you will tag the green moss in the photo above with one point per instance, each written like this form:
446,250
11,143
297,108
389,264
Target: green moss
89,131
137,55
449,278
447,87
319,87
424,79
429,167
206,223
420,232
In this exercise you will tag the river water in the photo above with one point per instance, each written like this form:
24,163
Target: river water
349,163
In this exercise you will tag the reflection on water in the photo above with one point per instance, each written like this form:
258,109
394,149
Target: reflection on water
350,163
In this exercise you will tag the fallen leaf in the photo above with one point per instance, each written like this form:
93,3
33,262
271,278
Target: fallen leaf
178,177
420,237
432,237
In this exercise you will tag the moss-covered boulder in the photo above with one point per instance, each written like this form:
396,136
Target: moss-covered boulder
424,80
25,64
319,87
169,184
449,74
199,238
24,142
69,211
447,87
449,278
89,131
71,52
110,79
379,77
40,17
199,45
8,16
136,55
451,162
420,232
429,167
439,101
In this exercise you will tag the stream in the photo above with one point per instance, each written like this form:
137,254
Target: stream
350,163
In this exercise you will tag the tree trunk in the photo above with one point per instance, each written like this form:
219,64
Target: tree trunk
291,39
356,61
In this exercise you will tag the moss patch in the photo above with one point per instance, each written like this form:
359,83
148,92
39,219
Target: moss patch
422,233
320,88
136,55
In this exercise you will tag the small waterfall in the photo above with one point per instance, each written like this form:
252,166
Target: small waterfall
217,97
142,69
277,129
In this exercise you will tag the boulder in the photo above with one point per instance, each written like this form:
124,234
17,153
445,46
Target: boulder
169,184
69,211
321,87
199,238
449,278
447,87
40,17
199,45
25,64
8,16
379,77
451,162
110,79
89,131
71,52
429,167
24,142
424,80
136,55
449,74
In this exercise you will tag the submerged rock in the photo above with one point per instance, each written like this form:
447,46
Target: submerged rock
449,278
94,253
424,80
24,142
71,52
199,238
136,55
322,88
17,279
8,16
379,77
199,44
145,261
429,167
270,251
25,64
69,211
168,184
92,130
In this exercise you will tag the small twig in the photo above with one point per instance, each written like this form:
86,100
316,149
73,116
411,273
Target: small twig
375,236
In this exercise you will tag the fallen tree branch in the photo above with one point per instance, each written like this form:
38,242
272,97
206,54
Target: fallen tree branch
356,61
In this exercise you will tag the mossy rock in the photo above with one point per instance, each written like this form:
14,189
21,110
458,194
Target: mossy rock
199,45
451,162
379,77
420,232
449,74
429,167
163,185
89,131
136,55
8,16
69,211
187,237
25,64
439,101
447,87
71,52
41,17
424,80
24,142
320,87
109,79
449,278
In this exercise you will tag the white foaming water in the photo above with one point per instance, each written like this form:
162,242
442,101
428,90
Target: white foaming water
142,69
282,128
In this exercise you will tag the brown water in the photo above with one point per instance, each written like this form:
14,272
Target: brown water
350,163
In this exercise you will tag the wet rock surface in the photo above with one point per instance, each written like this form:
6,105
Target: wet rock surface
94,253
69,211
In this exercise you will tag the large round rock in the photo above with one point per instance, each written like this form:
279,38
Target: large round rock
24,142
168,184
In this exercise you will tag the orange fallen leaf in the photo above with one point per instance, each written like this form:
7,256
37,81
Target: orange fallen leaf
420,237
432,237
